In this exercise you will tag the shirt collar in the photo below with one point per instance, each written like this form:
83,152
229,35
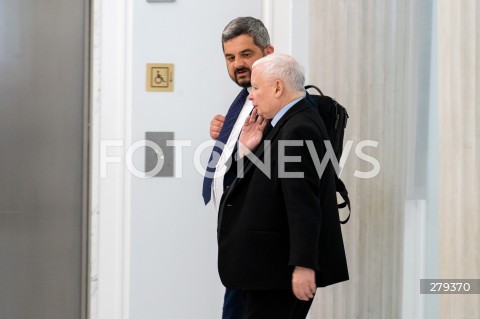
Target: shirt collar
284,110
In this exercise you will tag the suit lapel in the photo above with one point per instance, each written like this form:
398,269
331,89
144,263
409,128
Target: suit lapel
299,107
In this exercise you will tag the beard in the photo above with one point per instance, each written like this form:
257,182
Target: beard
242,77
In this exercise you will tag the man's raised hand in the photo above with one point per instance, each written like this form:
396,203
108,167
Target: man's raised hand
252,132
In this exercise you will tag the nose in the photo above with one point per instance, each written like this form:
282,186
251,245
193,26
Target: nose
239,62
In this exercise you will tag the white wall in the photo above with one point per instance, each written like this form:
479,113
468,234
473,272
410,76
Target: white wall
173,270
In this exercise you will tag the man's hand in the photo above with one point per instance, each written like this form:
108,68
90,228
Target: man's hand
252,133
216,125
303,283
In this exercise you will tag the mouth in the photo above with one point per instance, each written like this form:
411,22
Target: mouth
242,71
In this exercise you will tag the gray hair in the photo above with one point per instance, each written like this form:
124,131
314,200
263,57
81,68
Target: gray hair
248,26
284,67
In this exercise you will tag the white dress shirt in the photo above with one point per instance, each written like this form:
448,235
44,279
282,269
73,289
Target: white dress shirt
221,167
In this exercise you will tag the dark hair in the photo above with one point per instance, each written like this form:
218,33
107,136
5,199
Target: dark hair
248,26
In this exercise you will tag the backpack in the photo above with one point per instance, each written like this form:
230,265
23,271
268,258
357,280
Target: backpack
335,119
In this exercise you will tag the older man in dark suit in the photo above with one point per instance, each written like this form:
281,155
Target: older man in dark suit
279,233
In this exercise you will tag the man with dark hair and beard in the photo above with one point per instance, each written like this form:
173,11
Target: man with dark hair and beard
244,41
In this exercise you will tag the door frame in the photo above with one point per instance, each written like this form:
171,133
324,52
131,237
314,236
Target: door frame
110,183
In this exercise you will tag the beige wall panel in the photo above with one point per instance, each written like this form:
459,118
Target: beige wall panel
357,60
459,151
373,57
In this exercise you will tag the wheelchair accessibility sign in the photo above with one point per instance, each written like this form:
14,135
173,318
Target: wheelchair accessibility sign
159,77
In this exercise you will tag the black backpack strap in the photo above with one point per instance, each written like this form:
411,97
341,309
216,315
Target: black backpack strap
342,190
314,87
339,185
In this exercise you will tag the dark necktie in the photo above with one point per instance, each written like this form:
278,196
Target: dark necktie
228,124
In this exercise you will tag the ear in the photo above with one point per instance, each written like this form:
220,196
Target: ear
268,50
279,88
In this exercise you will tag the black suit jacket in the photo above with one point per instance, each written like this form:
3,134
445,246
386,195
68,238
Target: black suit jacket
267,225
